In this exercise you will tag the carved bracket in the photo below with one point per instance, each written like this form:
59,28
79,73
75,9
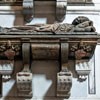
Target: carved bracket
64,77
64,83
61,8
24,78
28,9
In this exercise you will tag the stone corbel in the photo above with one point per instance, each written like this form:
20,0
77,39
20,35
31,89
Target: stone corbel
64,77
28,10
64,83
61,8
24,78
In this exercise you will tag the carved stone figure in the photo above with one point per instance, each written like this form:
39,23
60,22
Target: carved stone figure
79,24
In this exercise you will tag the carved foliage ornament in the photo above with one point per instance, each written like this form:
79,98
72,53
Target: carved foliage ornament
9,50
82,50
